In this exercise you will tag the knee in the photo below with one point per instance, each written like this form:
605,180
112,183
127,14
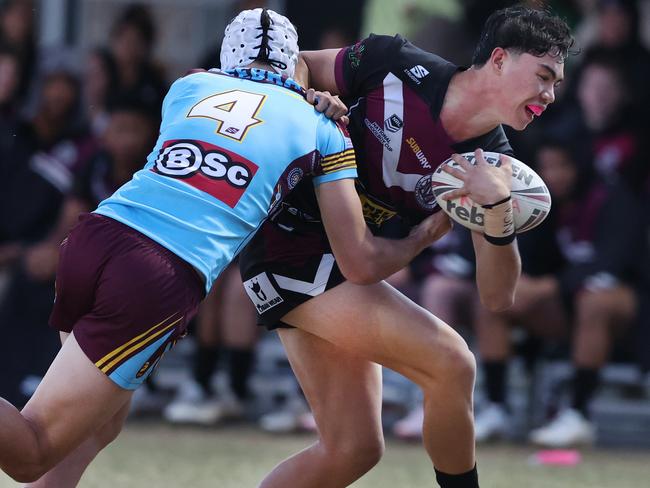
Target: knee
454,365
362,452
28,469
462,365
108,433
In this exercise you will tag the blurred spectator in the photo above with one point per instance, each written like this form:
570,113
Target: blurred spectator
603,121
225,327
40,163
130,134
17,31
335,26
619,36
100,77
9,86
39,168
132,40
594,291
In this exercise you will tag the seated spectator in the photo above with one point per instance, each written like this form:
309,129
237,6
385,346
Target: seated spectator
100,77
132,41
593,292
38,171
17,33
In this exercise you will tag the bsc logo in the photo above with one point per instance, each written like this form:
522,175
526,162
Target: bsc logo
209,168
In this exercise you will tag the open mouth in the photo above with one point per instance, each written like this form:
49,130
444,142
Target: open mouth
535,110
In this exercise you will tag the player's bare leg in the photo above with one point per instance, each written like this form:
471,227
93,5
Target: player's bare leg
379,324
72,401
68,472
344,392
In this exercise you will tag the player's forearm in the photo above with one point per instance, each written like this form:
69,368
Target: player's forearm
387,256
497,271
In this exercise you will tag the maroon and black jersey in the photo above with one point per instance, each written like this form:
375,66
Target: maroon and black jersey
395,93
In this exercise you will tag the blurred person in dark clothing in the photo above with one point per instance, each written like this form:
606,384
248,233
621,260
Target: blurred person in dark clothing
17,31
99,78
132,40
9,86
588,288
619,36
130,132
40,164
38,170
604,120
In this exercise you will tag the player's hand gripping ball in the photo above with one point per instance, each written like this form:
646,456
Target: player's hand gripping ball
531,200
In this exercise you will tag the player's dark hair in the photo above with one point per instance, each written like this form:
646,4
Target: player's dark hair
524,30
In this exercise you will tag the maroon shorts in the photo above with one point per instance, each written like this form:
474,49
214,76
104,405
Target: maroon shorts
126,298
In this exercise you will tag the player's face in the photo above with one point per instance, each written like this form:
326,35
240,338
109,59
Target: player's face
529,84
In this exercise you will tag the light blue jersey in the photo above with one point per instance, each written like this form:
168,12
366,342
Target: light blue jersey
231,146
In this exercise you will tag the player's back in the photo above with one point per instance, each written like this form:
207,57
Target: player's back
226,141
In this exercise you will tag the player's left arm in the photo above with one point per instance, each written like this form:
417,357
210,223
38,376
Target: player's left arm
498,264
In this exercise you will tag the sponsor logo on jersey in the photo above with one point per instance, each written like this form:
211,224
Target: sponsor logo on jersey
424,193
262,293
379,133
416,73
373,211
393,123
294,177
355,53
209,168
424,162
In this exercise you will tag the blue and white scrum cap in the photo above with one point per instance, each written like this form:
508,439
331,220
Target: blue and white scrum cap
260,35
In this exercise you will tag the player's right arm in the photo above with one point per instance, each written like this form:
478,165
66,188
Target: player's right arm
362,257
320,65
355,69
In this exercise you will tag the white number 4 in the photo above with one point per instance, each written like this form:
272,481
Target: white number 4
234,111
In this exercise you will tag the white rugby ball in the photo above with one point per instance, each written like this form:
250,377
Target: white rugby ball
531,200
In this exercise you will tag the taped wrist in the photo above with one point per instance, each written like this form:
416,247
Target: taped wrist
498,225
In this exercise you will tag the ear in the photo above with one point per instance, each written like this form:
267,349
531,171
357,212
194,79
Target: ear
497,58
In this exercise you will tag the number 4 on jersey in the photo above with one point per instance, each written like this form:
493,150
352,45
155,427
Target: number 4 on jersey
234,111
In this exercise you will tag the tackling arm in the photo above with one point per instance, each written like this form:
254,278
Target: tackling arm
362,257
320,65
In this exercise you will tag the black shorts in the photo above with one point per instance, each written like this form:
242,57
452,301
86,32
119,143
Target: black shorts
282,269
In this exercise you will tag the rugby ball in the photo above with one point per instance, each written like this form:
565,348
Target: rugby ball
531,200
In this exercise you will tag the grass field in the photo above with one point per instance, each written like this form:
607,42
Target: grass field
238,457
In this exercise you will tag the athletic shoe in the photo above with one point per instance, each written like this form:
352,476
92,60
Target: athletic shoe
294,416
410,427
491,422
568,428
193,406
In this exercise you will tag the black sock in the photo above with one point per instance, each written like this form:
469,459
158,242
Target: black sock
495,381
205,364
241,365
464,480
585,383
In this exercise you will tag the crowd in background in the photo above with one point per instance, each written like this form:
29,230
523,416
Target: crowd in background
70,136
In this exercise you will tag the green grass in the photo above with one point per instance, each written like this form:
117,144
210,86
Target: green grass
238,457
